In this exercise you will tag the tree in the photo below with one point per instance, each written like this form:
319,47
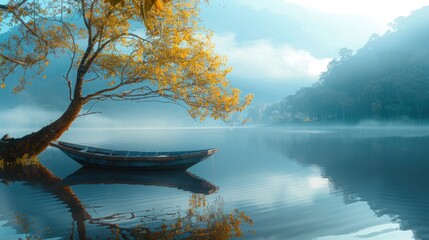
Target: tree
203,219
345,54
173,61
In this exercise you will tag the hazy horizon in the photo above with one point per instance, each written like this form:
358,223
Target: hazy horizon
275,48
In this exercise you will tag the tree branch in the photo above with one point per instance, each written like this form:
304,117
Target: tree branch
72,58
29,28
19,61
93,95
9,7
88,113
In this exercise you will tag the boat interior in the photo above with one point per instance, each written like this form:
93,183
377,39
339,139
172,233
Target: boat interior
108,152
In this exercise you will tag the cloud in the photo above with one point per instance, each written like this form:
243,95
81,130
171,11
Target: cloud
30,117
305,188
274,6
384,11
387,10
264,61
381,231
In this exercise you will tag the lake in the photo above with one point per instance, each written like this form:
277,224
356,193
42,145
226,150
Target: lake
266,183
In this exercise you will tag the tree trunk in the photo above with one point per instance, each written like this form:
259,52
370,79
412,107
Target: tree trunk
40,177
33,144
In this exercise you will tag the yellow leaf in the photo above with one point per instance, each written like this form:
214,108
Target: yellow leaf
44,76
113,2
159,4
2,85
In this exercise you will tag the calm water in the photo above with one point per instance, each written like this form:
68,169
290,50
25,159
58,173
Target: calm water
292,183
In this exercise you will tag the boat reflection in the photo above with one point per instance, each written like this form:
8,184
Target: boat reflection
182,180
389,173
202,218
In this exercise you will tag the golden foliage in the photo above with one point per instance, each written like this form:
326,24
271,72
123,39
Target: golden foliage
148,4
204,221
24,161
165,56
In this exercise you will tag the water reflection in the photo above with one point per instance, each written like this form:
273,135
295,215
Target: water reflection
182,180
389,173
201,219
37,176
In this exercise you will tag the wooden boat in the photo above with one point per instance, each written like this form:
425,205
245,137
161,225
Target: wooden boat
119,159
182,180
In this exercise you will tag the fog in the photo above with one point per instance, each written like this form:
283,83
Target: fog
32,118
276,49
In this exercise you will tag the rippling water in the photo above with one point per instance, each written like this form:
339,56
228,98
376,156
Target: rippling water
292,183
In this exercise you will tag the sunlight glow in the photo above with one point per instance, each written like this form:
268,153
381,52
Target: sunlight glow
385,11
316,182
391,231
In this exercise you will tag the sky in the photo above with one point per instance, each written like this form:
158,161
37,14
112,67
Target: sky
278,46
275,47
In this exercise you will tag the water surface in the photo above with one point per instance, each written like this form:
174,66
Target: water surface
297,183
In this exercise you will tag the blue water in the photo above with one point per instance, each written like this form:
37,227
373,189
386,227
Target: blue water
294,183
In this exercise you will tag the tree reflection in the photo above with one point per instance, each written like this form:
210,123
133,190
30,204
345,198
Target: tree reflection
202,219
389,173
35,174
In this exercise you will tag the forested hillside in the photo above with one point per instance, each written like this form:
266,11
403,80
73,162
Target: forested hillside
387,79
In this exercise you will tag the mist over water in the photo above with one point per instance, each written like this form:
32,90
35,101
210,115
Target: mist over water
295,183
336,146
33,118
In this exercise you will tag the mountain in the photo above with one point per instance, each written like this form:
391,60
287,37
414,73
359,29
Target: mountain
387,79
46,97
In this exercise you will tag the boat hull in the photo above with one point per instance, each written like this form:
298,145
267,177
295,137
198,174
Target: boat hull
97,162
149,160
